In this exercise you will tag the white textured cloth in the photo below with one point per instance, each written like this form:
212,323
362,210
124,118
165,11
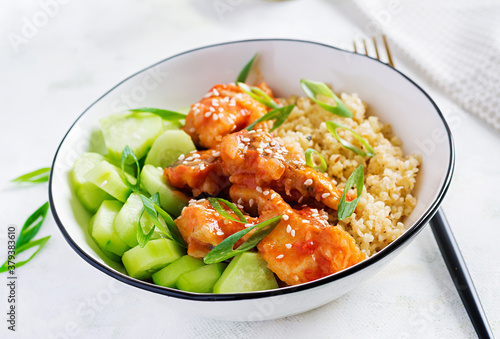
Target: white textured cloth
455,43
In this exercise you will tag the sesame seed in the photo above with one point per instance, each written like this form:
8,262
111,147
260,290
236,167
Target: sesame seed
260,150
208,114
245,139
215,116
308,182
221,116
265,192
273,143
280,256
248,225
181,157
239,206
314,210
202,167
288,228
212,109
300,199
315,215
273,195
305,221
221,109
196,111
250,202
215,103
189,159
241,146
216,92
196,155
292,232
325,195
251,132
217,214
288,246
192,201
267,150
215,153
240,201
285,217
258,189
192,130
219,232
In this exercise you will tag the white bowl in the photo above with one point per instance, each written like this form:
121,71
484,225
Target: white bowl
183,79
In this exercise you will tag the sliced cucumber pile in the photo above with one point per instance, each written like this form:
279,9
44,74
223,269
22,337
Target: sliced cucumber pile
101,186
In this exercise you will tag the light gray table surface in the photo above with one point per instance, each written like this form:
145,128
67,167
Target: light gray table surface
57,57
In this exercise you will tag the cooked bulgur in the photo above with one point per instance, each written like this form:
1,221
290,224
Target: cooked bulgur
389,176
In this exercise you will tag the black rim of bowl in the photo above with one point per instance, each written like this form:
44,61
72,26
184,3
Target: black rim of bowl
411,232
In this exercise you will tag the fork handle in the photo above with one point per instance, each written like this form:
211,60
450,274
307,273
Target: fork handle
460,274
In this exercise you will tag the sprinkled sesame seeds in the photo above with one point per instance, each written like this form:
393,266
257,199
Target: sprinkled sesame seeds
285,217
250,202
202,167
280,256
288,246
192,130
219,232
300,199
221,116
196,155
258,189
215,116
308,182
215,103
221,109
181,157
292,232
215,153
267,150
248,225
212,109
273,196
216,92
288,229
245,139
208,114
240,201
265,192
325,195
305,221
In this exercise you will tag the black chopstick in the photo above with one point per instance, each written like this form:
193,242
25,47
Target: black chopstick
460,274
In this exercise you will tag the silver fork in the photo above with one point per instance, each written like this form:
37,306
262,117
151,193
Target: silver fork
446,240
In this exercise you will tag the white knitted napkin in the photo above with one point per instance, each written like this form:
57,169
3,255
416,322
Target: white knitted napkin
455,43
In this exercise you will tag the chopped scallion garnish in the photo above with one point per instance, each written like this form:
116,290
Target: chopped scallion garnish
258,94
37,176
314,88
162,113
128,152
242,77
333,126
215,202
225,250
277,114
357,178
309,161
30,229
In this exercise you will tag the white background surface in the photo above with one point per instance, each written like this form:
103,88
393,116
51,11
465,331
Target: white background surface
85,48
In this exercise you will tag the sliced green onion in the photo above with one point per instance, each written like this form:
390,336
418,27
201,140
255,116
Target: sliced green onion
225,250
333,126
309,161
28,232
37,176
258,94
30,229
127,152
277,114
162,113
151,206
142,237
314,88
215,202
242,77
39,242
356,178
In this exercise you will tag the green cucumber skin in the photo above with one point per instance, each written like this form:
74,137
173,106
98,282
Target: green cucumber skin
169,275
137,130
127,220
87,193
201,280
103,230
108,178
247,272
171,200
107,253
141,263
168,147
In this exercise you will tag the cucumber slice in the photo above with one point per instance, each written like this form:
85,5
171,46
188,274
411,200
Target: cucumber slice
126,221
168,276
89,194
201,280
137,130
103,231
108,178
107,253
245,273
142,262
168,147
171,124
171,200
